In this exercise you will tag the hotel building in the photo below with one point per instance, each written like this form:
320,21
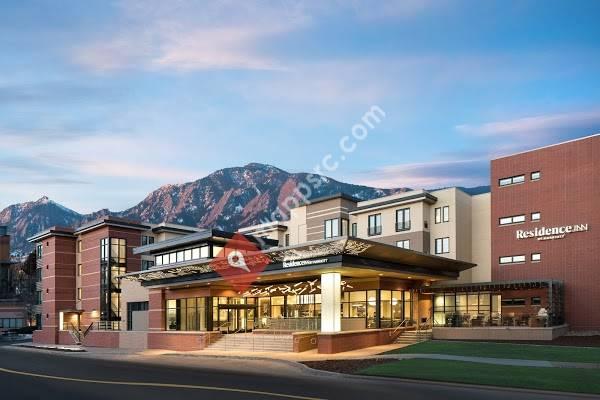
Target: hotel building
342,273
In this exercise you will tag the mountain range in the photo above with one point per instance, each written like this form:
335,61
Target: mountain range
227,199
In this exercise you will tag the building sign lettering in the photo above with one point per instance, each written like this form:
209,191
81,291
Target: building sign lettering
557,232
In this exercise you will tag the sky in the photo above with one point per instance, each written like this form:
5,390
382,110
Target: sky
103,101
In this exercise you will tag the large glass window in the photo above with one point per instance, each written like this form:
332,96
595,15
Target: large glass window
113,262
186,314
466,309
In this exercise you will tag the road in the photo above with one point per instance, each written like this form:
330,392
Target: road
39,374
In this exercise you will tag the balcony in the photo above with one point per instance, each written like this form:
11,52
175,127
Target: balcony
374,230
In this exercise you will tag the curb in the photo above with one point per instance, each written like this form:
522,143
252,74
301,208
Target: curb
52,348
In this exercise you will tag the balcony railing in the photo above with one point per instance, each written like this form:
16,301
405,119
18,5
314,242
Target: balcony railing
374,230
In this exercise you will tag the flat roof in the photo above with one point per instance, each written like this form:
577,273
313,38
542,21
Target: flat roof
193,238
518,284
52,231
112,221
394,199
548,146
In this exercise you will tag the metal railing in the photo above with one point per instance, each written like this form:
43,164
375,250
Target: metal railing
401,325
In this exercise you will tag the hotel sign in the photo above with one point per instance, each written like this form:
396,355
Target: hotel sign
557,232
303,263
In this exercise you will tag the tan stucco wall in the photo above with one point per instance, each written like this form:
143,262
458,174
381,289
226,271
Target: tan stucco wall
297,225
481,249
131,292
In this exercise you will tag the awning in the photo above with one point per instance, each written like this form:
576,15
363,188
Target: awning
312,257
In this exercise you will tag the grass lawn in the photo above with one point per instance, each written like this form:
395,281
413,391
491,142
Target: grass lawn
505,350
556,379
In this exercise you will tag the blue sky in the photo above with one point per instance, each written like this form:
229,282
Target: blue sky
103,101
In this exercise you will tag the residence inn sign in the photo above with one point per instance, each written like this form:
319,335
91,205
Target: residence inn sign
557,232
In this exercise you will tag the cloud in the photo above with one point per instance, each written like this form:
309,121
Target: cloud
186,36
539,126
429,175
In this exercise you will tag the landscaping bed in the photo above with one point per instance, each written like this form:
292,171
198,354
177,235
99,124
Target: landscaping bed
346,366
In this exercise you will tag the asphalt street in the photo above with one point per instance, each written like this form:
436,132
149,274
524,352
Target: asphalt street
40,374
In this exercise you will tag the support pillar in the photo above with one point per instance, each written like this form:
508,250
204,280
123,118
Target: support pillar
331,319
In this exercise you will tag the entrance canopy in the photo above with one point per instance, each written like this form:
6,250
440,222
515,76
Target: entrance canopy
351,257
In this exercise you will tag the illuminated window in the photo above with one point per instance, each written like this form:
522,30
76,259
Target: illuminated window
536,257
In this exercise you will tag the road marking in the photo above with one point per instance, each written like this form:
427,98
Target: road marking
159,385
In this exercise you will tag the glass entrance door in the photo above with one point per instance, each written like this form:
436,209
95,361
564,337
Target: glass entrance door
240,318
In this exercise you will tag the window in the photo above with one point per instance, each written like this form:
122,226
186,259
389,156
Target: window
513,180
182,314
131,308
535,176
442,214
515,219
39,251
354,230
403,219
79,246
536,216
403,244
512,259
113,262
513,302
79,269
332,228
374,224
38,297
442,245
146,265
146,240
536,257
287,239
536,301
79,293
195,253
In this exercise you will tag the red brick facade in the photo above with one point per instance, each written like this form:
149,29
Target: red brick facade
566,194
58,284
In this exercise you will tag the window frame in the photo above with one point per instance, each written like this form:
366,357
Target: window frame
441,214
406,222
512,259
374,230
539,176
331,224
406,241
512,180
512,220
442,240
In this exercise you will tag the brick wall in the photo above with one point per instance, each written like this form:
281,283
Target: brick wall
566,194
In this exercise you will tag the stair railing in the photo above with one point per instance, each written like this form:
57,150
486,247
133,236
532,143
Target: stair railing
400,326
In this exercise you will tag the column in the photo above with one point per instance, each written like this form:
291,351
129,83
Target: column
331,320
